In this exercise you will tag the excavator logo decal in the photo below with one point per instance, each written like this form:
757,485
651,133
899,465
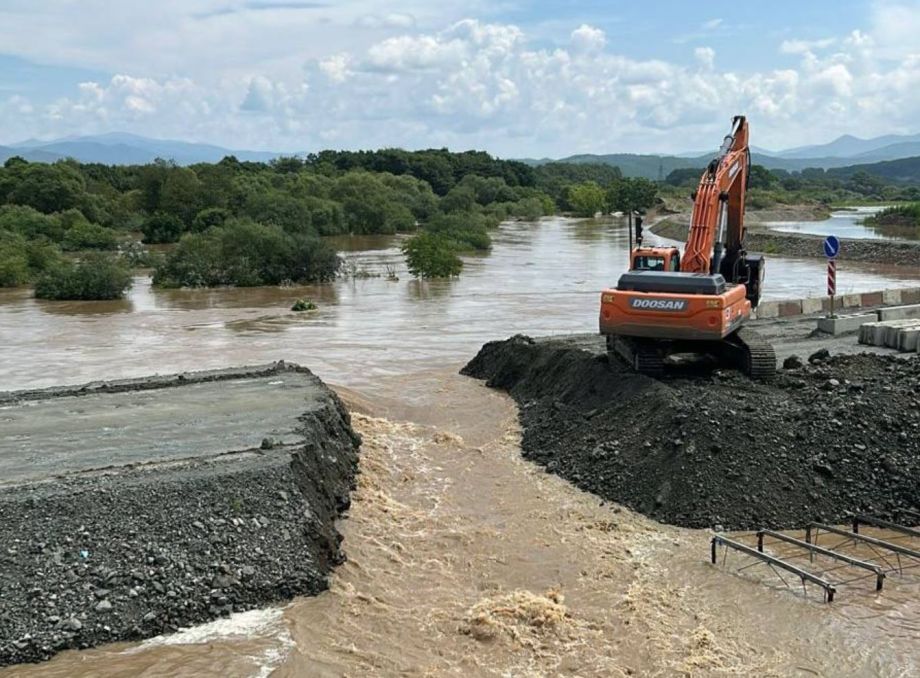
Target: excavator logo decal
659,304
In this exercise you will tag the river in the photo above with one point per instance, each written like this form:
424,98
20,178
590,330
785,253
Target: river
540,279
846,223
464,559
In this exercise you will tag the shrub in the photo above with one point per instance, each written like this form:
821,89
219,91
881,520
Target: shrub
14,265
97,277
528,209
431,255
42,255
302,305
900,221
162,228
467,231
212,216
86,236
326,216
246,254
21,260
30,222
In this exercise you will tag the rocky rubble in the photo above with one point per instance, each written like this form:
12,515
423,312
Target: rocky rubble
826,438
133,552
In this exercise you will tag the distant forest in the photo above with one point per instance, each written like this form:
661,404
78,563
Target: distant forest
254,223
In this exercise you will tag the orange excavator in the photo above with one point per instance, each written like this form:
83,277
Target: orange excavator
698,302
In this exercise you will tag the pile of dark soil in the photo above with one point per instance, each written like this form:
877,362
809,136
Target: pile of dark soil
131,552
821,441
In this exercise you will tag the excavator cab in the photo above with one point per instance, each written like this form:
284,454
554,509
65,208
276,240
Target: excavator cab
655,259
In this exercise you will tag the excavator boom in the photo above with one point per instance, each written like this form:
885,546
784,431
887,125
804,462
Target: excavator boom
697,302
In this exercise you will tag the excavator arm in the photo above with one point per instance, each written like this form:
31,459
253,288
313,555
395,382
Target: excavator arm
717,223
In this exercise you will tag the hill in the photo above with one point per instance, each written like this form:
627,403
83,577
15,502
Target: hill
32,155
119,148
903,170
848,146
655,166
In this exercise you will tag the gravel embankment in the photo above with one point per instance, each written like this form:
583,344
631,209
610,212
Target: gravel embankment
135,551
797,245
819,442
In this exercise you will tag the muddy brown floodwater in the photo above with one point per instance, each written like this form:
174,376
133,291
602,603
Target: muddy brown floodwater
464,559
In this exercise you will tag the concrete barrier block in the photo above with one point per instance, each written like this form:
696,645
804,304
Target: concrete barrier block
812,305
910,295
865,333
790,308
900,312
870,299
850,300
909,339
843,324
891,297
890,336
768,309
879,334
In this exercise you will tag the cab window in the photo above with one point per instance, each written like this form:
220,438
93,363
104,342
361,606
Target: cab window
649,263
675,263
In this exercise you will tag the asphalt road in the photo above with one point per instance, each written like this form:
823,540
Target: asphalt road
64,434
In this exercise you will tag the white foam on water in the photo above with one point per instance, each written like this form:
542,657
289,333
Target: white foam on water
265,623
249,623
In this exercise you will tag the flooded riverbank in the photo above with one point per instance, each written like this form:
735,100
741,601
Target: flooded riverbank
847,223
540,279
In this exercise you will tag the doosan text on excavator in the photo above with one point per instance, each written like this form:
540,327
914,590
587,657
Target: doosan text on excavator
698,302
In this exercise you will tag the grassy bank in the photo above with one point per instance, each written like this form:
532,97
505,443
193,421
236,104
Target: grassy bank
899,221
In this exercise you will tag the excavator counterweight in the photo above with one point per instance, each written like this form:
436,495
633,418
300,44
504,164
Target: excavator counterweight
697,302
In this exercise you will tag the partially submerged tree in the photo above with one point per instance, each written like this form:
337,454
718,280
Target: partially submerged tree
587,199
431,255
96,277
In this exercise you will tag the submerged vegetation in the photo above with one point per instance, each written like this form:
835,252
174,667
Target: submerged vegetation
97,276
432,255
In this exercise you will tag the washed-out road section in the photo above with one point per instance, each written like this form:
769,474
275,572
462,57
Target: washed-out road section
136,507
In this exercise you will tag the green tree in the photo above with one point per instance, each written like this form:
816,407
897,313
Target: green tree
210,217
162,228
84,236
180,194
14,262
459,199
246,253
98,276
431,255
465,231
633,194
30,223
761,177
48,188
587,199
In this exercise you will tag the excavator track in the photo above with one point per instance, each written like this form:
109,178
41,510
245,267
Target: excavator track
648,360
758,359
644,357
744,350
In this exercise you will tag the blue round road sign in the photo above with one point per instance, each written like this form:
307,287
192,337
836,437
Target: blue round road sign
831,246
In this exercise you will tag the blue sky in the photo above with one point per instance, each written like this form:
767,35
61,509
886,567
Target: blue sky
515,78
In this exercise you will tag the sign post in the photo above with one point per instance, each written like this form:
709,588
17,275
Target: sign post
831,250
